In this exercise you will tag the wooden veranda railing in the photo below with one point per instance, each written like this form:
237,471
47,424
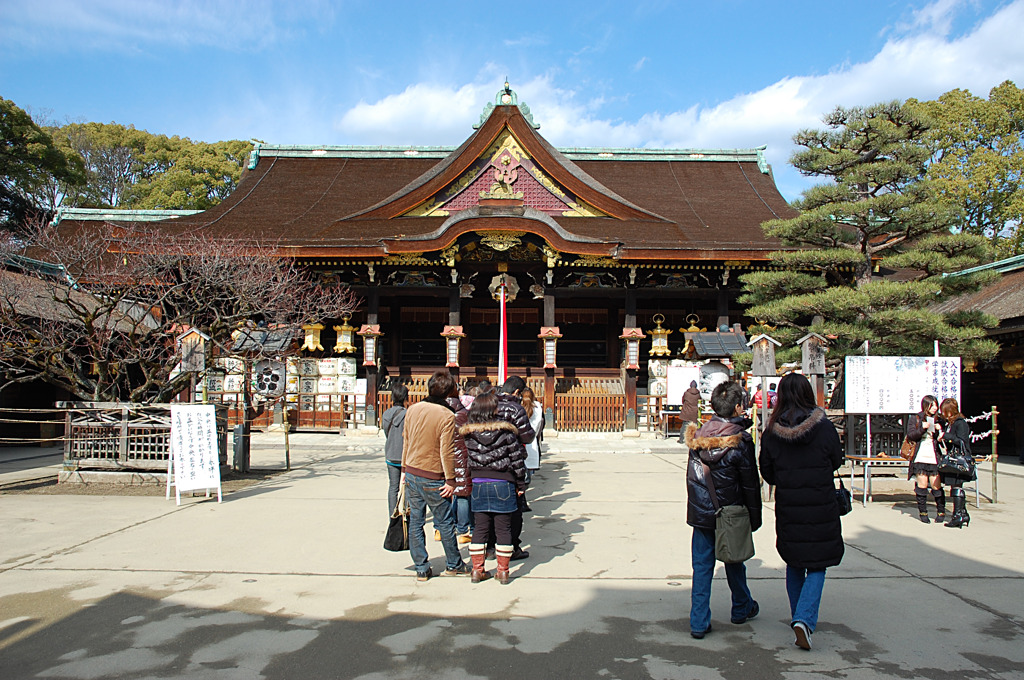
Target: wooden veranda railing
590,412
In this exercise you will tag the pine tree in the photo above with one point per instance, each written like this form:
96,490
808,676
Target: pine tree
876,214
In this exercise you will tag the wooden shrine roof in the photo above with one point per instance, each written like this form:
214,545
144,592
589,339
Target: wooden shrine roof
366,202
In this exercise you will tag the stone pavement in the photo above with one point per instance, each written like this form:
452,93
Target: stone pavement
287,579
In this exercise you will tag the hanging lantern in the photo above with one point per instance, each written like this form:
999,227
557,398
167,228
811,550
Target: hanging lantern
970,365
312,342
659,337
370,334
633,336
452,335
345,331
549,335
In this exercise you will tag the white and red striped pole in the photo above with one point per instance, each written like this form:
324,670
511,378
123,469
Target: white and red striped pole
502,337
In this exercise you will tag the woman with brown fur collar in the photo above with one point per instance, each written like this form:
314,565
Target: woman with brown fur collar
800,453
498,470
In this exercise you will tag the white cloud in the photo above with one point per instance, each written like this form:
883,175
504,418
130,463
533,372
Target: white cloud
921,61
131,25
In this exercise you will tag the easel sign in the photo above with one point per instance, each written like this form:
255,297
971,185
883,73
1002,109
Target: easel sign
679,379
194,463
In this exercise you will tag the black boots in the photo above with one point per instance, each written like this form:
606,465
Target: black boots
960,517
940,504
922,503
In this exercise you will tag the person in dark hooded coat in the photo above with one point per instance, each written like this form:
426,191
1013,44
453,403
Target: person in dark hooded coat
800,452
722,447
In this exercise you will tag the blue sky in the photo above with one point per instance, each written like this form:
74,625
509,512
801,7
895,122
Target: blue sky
724,74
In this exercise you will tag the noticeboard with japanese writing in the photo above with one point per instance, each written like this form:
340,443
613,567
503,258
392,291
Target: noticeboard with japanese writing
194,446
897,384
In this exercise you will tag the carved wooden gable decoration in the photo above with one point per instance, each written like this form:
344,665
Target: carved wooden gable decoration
505,171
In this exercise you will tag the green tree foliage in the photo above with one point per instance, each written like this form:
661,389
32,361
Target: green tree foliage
29,160
978,169
133,169
877,207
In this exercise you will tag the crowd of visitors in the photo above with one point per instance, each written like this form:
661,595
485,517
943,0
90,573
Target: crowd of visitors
468,458
473,456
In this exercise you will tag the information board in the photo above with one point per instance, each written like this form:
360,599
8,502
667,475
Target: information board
679,379
195,461
897,384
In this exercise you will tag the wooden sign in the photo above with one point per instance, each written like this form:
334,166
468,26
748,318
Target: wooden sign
896,384
194,462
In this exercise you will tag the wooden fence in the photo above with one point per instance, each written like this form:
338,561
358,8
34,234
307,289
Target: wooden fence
115,436
590,412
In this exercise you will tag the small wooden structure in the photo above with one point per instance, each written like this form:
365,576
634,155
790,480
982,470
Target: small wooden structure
114,436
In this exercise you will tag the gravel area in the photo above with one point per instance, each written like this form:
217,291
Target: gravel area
230,482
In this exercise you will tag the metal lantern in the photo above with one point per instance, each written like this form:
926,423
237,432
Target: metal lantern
452,336
633,336
312,341
549,335
345,331
659,338
370,333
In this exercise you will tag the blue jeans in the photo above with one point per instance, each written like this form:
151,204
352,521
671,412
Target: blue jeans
702,552
804,588
423,493
463,515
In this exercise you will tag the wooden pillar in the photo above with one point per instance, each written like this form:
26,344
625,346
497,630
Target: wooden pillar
372,313
454,316
395,334
630,386
723,309
549,373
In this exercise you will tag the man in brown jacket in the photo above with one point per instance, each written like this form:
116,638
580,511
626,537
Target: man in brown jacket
428,464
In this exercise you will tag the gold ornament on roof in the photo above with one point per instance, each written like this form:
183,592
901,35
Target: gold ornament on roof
501,240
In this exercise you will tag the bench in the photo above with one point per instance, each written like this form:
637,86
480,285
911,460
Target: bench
883,461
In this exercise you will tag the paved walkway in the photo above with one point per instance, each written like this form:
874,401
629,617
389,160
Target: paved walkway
287,579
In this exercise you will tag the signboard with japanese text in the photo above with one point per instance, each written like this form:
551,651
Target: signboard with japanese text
195,459
897,384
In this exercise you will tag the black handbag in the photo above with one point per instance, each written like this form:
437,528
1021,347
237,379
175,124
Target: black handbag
844,499
956,459
396,539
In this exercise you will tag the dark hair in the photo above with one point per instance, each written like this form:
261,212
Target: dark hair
950,410
484,386
513,384
927,401
795,396
771,386
399,394
693,383
484,408
725,397
440,385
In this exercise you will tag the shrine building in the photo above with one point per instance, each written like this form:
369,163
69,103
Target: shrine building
616,260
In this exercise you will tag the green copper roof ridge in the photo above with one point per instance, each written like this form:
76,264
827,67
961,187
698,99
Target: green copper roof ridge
1003,266
120,213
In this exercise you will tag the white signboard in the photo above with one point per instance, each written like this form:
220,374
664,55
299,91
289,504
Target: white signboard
195,461
897,384
679,379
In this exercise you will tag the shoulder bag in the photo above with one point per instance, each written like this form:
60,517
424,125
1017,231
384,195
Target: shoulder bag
734,540
957,459
907,449
844,499
396,539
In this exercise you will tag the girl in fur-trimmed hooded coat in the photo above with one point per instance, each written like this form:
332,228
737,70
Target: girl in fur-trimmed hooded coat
497,467
800,453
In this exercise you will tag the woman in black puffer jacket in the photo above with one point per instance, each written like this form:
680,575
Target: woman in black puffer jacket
800,453
497,467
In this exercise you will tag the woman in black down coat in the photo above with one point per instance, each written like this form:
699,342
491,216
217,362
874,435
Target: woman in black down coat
497,467
800,453
956,434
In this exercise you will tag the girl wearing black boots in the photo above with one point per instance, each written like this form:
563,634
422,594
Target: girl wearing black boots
923,430
955,432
